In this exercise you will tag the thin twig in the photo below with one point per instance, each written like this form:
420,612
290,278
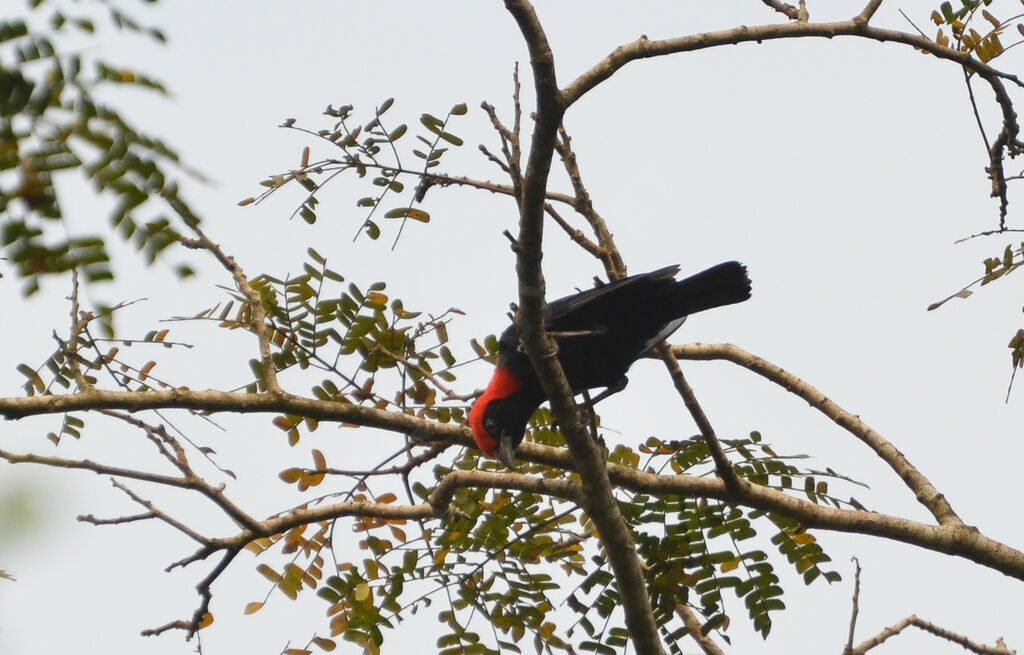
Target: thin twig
856,607
788,10
693,628
922,488
722,464
898,627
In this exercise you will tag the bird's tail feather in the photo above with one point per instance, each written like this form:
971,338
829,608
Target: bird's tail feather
724,284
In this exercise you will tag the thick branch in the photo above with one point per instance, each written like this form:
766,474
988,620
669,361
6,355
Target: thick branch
598,499
925,492
225,401
644,48
1006,142
952,539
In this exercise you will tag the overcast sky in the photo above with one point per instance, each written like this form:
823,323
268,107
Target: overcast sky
840,171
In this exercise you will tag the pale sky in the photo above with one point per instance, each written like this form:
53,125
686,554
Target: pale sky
841,172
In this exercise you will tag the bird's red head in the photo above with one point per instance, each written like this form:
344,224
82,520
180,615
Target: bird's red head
502,385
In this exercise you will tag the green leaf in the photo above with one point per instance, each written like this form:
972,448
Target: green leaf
451,138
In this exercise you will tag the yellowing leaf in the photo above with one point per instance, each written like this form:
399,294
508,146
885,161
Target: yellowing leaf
730,565
804,538
206,620
146,369
259,545
268,573
419,215
252,608
362,592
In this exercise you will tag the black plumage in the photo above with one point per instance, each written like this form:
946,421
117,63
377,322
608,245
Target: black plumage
599,333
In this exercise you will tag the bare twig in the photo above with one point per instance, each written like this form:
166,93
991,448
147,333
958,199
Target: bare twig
445,389
577,236
258,322
78,323
607,251
693,627
412,462
856,608
788,10
893,630
722,465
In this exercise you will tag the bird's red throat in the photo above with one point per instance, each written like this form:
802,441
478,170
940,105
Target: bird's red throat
503,384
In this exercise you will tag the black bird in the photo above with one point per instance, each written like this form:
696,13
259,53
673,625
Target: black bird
599,334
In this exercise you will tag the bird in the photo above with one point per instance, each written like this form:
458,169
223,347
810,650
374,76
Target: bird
598,334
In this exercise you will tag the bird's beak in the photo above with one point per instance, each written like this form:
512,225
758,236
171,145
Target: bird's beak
505,452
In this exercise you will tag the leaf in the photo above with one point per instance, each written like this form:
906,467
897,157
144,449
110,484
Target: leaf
451,138
432,123
34,380
362,592
804,538
319,461
408,212
252,608
384,106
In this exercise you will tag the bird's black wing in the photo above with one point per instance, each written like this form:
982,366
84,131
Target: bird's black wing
568,312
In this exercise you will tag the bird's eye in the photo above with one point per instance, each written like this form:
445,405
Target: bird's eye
491,425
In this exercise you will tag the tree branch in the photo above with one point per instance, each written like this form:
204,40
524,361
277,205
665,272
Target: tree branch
858,26
722,465
598,499
223,401
258,319
893,630
1006,142
856,608
923,489
693,627
952,539
788,10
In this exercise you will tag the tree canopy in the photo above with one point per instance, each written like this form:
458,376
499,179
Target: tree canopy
254,393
